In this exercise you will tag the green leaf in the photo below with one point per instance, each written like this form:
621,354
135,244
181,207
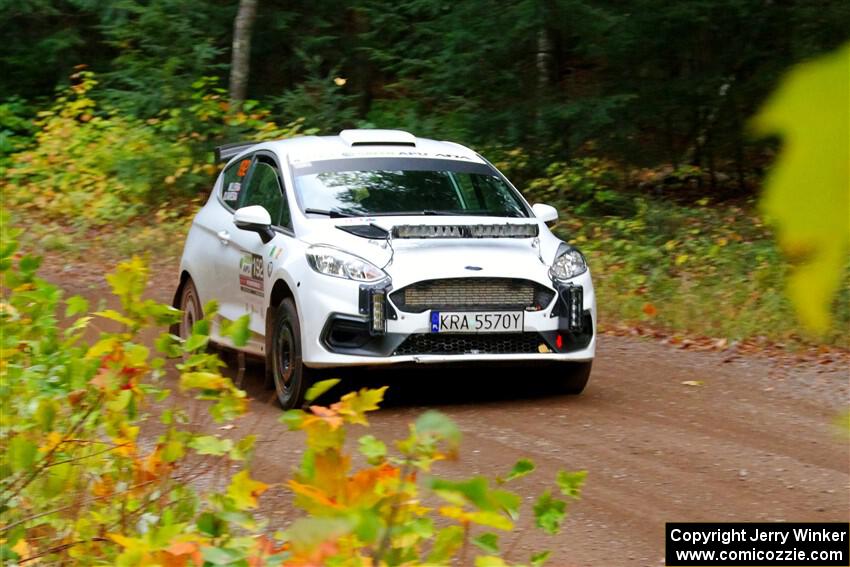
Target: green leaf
570,483
240,331
492,520
76,305
538,559
372,448
222,555
243,448
807,194
29,264
203,381
489,542
490,561
210,524
168,344
446,543
195,342
115,316
473,490
368,525
310,532
202,327
292,419
21,453
211,445
521,468
320,388
549,513
438,425
173,451
508,501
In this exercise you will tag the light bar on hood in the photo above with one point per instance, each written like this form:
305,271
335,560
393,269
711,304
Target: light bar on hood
506,230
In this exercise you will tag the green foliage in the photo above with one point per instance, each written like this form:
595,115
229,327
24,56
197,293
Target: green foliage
808,192
81,482
91,165
700,270
161,48
320,100
586,185
86,479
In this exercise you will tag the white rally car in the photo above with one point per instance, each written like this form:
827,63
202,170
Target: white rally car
375,247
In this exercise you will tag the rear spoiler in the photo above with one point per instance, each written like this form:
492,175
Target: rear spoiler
227,151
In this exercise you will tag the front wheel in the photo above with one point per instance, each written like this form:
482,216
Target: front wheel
291,378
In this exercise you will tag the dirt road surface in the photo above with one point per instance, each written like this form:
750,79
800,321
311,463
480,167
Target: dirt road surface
754,440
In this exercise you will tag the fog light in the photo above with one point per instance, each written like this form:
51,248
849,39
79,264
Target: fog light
379,318
559,342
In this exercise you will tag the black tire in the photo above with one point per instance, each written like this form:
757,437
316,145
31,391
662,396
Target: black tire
190,305
573,376
291,378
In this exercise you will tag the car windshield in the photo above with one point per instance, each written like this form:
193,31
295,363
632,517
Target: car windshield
404,186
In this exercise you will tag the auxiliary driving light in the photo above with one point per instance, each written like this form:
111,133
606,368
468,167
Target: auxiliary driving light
571,307
379,316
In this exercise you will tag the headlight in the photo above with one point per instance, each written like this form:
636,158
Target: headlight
339,264
568,263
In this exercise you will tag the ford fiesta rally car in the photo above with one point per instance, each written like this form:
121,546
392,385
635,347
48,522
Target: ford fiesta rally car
375,247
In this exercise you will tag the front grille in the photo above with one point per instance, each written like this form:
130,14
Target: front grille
470,294
436,343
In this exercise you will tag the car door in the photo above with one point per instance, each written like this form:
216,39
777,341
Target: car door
251,259
217,251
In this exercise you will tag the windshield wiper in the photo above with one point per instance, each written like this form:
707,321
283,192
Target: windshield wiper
424,212
333,213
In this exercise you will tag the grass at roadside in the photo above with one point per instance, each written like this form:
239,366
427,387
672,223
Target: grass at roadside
711,271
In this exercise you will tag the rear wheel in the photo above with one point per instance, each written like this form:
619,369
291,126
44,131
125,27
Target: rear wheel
190,305
573,376
291,378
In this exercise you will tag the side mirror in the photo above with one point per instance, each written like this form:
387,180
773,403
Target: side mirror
255,219
546,213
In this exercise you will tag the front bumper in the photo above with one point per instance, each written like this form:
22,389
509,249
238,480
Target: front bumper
337,330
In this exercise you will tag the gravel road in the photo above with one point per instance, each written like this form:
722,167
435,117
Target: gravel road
751,439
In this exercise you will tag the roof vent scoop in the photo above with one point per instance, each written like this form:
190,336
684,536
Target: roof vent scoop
375,137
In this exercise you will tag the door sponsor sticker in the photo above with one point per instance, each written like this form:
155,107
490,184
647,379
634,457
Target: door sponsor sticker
251,278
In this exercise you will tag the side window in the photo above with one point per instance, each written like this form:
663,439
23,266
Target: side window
232,183
264,189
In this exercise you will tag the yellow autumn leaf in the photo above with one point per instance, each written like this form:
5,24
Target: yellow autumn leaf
807,195
244,490
354,405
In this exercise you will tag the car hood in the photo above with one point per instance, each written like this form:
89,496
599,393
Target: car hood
408,260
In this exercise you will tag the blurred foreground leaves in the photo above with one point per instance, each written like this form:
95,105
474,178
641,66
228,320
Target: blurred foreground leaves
808,192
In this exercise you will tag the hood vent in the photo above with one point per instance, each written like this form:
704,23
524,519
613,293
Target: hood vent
466,231
371,231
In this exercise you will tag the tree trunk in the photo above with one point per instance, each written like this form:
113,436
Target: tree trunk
241,56
544,66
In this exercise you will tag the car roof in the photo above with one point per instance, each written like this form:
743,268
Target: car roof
364,142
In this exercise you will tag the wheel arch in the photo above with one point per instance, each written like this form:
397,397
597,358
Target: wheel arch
175,302
280,290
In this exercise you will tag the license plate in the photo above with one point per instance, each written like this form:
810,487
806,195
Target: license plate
477,321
